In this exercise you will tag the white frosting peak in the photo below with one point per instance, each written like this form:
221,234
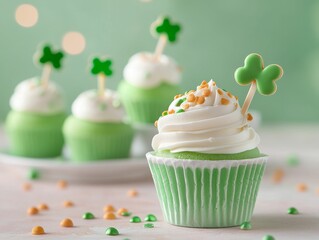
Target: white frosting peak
31,96
144,71
90,106
214,126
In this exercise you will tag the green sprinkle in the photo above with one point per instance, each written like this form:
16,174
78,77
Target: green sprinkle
268,237
135,219
150,218
164,113
245,226
180,111
149,225
293,211
88,215
112,231
33,174
180,101
293,160
126,214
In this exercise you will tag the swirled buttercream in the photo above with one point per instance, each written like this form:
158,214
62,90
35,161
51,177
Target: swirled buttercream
208,120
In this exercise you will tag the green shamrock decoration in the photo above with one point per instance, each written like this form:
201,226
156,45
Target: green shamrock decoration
254,70
102,67
168,28
49,56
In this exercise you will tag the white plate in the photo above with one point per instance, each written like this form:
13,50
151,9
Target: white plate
104,171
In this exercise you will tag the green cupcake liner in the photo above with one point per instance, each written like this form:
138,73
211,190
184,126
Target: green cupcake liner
89,141
204,193
35,136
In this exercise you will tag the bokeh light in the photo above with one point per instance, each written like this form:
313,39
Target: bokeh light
73,43
26,15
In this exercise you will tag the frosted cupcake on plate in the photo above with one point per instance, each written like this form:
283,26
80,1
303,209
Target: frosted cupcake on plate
34,124
97,130
150,79
206,163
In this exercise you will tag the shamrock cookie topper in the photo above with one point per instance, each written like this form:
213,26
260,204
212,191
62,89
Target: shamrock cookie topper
101,68
49,59
261,78
166,31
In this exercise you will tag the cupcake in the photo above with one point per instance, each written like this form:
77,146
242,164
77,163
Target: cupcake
96,130
34,124
151,78
206,164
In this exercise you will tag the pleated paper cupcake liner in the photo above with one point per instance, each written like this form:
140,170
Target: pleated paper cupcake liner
207,194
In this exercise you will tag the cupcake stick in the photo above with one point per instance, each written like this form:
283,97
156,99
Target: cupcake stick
166,31
49,59
263,79
101,68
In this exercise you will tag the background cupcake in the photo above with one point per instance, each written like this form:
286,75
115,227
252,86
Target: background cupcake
206,166
150,79
96,129
34,125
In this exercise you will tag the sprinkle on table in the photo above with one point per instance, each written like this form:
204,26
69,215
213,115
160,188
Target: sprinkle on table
293,160
121,210
126,214
62,184
112,231
278,175
68,204
88,216
150,218
135,219
109,208
245,226
292,211
33,211
27,186
109,216
268,237
37,230
43,206
301,187
33,174
67,222
259,77
148,225
132,193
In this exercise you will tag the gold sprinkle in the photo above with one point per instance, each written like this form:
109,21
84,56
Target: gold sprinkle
62,184
214,84
301,187
37,230
278,175
109,208
206,92
200,100
220,92
204,82
249,117
191,97
191,91
32,211
203,86
43,206
67,222
229,94
236,98
236,105
132,193
155,123
27,187
109,216
171,111
224,101
177,96
185,106
121,210
68,204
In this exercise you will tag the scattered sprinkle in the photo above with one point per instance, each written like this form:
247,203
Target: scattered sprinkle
112,231
135,219
293,160
180,101
185,106
180,111
88,215
68,204
224,101
67,222
177,96
132,193
245,226
191,97
62,184
236,105
204,82
301,187
43,206
121,210
229,94
32,211
164,113
293,211
149,225
109,216
171,111
109,208
37,230
220,92
268,237
126,214
200,100
27,187
278,175
206,92
33,174
156,123
249,117
150,218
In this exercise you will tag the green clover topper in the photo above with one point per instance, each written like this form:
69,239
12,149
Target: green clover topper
101,68
167,31
263,78
51,57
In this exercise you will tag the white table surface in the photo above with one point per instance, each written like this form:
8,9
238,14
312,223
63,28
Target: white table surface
269,217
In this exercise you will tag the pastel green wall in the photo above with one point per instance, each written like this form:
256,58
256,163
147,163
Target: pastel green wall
216,37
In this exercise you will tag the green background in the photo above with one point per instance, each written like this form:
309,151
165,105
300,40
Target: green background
217,35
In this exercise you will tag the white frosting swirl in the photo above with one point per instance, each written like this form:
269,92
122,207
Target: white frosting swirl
144,71
217,126
31,96
90,106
